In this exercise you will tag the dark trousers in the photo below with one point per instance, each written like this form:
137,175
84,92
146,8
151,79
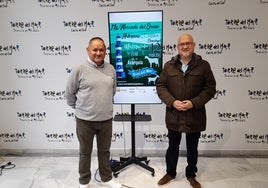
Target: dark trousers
172,154
86,130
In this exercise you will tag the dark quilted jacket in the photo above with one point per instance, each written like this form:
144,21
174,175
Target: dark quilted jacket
196,84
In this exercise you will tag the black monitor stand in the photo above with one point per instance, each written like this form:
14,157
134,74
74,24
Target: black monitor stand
133,159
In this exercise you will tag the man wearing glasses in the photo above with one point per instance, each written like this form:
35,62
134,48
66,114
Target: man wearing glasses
185,85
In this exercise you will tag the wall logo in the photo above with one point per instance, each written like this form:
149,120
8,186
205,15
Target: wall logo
163,3
219,93
117,136
68,70
215,48
32,117
70,114
11,137
211,138
261,48
216,2
59,138
233,117
9,49
155,137
108,49
258,95
256,138
54,95
60,50
241,24
5,3
186,25
107,3
31,26
9,95
30,73
78,26
236,72
169,49
53,3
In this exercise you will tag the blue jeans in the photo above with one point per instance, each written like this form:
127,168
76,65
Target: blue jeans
172,154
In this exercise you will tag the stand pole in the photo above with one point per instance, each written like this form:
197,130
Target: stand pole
133,159
133,141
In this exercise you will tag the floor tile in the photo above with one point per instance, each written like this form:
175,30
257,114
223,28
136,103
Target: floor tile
61,172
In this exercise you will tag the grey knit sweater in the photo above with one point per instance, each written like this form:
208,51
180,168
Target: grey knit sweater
90,90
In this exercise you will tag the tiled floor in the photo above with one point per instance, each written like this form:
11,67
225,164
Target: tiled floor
61,172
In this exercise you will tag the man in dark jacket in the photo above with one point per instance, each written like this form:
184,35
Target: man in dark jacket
185,85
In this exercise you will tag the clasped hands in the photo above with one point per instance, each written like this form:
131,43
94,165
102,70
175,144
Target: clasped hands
182,105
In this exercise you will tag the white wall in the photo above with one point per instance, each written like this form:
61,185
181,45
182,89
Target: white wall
231,35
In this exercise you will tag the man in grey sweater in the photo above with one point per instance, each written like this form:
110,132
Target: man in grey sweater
90,90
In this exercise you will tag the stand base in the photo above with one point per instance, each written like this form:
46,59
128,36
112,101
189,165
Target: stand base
132,160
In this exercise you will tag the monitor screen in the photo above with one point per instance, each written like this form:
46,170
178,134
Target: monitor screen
136,39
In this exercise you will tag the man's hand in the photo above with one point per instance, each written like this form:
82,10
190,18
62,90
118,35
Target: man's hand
182,105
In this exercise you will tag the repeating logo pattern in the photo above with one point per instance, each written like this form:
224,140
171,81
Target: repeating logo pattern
30,73
6,137
52,36
10,94
32,117
26,26
53,3
6,50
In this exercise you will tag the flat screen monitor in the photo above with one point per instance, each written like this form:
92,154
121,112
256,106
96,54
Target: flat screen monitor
135,39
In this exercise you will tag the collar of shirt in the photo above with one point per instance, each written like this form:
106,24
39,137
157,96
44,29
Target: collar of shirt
94,64
184,67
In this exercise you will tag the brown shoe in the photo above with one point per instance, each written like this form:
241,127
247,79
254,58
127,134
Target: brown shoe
194,183
166,179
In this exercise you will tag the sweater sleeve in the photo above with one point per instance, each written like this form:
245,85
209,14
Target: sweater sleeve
72,88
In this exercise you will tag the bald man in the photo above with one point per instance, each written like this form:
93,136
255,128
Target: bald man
185,85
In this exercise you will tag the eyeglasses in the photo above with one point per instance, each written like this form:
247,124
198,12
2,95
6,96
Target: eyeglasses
187,44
